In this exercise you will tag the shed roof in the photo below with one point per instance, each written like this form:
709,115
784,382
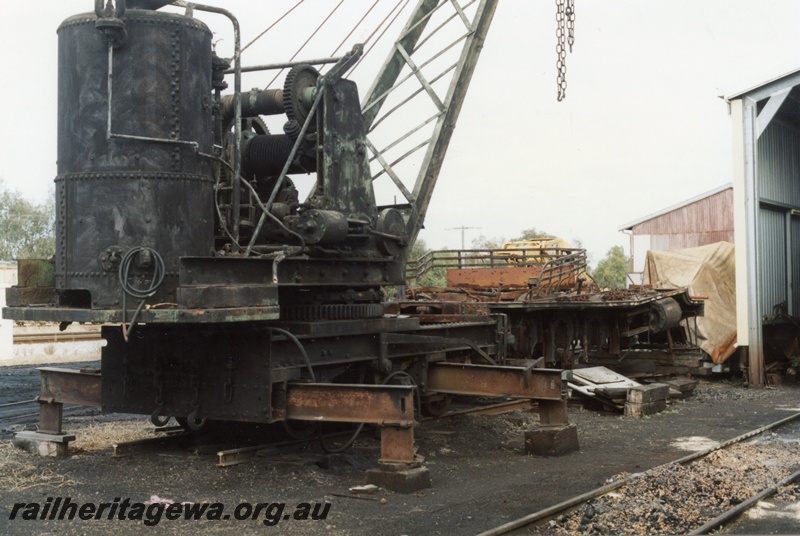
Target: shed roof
765,89
718,189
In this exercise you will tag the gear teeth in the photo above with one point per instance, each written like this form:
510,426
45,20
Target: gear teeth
333,311
257,125
291,92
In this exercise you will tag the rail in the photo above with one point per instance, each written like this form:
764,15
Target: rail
528,522
54,337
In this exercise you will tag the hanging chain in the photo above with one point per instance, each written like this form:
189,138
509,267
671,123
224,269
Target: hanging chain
565,35
570,13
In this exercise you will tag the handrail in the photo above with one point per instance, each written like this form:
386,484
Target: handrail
556,263
559,272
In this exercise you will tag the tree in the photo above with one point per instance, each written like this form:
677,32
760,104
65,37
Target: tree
482,242
532,234
27,230
436,276
612,270
417,250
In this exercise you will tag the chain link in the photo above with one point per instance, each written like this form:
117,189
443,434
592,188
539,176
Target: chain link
569,11
565,35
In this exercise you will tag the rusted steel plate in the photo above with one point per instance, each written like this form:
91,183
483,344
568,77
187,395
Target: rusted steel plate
378,404
397,444
487,380
488,278
68,386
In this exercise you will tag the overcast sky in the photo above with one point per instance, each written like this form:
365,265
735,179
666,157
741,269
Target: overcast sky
642,126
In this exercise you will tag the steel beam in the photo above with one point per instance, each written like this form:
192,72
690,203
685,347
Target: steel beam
68,386
385,405
485,380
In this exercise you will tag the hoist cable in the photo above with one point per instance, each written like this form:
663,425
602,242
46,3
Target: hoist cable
368,50
271,26
355,27
384,20
310,37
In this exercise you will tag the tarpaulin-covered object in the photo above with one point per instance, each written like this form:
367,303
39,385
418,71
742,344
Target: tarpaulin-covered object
708,271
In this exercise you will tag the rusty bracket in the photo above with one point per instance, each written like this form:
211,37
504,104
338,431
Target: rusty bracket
385,405
485,380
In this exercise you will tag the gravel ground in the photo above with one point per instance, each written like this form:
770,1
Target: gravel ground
480,476
676,499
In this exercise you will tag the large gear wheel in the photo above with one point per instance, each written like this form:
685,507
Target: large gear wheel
287,194
331,311
300,78
254,125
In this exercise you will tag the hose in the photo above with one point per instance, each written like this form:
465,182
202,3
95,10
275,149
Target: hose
140,294
299,345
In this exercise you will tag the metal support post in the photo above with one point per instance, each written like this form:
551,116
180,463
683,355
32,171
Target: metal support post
59,387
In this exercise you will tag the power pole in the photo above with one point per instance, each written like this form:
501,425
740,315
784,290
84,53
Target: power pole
462,229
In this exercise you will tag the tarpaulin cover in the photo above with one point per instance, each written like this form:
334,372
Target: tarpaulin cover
710,272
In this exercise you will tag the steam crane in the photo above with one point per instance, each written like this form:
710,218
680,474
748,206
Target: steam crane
222,295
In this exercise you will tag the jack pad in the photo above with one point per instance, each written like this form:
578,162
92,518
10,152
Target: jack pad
552,440
400,477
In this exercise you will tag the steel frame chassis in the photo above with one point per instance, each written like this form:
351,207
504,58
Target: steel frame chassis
152,374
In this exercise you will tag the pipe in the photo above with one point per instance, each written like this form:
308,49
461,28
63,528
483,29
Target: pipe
237,106
285,65
264,102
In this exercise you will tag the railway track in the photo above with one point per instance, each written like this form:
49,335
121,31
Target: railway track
56,336
678,497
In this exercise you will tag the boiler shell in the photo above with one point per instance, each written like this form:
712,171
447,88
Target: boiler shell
122,193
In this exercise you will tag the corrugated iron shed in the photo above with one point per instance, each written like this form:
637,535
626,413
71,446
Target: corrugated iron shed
766,180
